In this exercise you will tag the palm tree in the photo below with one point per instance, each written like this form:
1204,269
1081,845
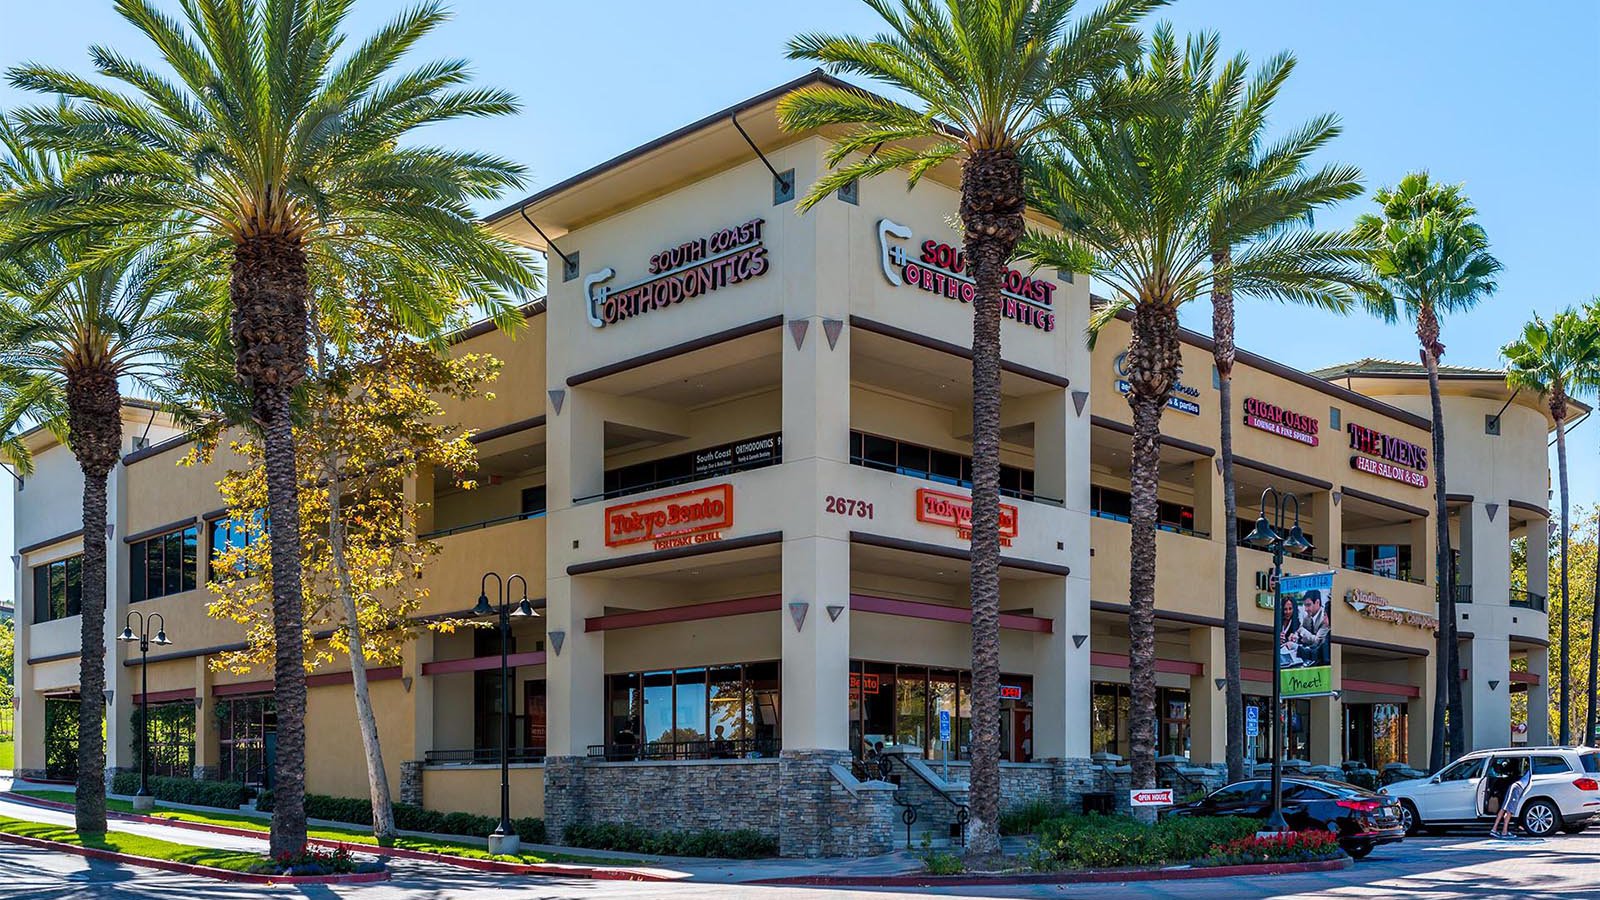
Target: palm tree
75,323
291,157
1270,181
1558,360
990,75
1431,258
1137,202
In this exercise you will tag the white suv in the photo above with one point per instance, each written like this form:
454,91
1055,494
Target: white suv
1565,791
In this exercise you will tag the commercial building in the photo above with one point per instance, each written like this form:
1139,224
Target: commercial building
729,453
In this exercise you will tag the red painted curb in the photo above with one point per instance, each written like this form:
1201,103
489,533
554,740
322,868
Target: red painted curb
189,869
1083,877
597,873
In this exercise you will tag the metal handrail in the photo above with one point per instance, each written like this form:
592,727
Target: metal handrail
475,526
727,748
1528,600
963,814
482,756
1463,593
1189,780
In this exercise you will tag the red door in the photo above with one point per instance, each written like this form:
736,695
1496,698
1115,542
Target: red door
533,736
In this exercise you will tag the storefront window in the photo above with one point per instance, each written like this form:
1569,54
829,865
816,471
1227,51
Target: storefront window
721,712
1108,714
899,706
1383,560
1172,707
246,729
1297,734
1375,734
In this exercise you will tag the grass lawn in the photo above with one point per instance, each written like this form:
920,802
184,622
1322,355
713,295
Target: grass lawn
8,753
136,845
349,835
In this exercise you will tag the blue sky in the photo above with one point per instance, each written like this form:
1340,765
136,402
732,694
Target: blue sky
1477,92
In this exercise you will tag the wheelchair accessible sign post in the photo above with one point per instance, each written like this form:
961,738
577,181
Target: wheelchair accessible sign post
944,740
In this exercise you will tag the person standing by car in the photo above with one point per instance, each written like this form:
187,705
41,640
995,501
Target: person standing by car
1511,806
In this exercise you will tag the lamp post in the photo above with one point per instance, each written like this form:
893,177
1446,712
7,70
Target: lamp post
1272,536
504,840
142,800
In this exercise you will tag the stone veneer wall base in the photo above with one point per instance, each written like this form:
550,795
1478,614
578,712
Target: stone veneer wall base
411,781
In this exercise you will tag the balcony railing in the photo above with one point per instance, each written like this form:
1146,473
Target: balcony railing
1160,526
1463,593
1527,600
1394,576
483,756
747,748
475,526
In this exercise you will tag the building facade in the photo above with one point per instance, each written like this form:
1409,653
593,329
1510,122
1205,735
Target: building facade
729,453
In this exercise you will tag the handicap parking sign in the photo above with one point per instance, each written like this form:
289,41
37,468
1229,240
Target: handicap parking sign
1252,721
944,724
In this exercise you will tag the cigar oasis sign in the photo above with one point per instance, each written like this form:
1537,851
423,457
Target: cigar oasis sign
1281,422
676,520
1387,456
941,270
694,268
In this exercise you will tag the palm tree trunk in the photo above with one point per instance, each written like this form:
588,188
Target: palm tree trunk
94,422
1152,369
1566,613
1222,350
269,286
991,211
1446,687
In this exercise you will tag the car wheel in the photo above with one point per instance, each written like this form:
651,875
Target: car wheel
1358,851
1540,818
1409,819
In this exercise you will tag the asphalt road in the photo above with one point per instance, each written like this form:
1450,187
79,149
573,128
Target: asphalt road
1431,869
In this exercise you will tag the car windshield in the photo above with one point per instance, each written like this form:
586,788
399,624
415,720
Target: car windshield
1591,762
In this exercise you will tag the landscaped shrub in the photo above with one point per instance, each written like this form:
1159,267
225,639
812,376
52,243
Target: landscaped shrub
1291,846
1026,819
358,811
740,843
1094,842
194,792
312,861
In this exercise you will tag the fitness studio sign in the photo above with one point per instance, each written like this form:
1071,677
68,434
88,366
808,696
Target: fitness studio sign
941,269
725,257
1281,422
1387,456
1180,396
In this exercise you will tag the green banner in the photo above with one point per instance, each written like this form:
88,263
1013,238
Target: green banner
1305,639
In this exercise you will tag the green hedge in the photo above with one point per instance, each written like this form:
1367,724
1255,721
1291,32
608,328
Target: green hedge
221,794
741,843
358,811
1103,842
1028,818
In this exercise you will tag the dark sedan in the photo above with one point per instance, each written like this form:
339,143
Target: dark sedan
1361,818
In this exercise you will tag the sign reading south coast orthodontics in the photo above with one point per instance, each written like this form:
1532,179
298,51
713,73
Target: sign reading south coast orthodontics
941,269
1397,459
1305,643
725,257
676,520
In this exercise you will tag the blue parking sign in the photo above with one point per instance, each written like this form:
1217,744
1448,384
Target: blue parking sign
1252,721
944,724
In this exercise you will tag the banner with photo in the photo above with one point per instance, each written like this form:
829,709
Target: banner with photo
1305,640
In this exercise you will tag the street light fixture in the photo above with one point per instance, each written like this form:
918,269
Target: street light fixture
504,840
1271,535
142,800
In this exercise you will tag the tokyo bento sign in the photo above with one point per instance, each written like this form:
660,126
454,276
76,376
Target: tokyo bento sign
955,511
676,520
725,257
941,269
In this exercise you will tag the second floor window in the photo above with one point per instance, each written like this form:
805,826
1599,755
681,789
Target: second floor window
226,535
918,461
57,589
1110,503
163,565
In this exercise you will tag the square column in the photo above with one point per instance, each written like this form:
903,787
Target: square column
816,654
207,754
1208,707
1539,696
575,674
1327,714
1538,556
1487,658
1061,667
1419,712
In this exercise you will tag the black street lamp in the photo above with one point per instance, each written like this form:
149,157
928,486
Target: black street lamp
504,840
1272,536
143,800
